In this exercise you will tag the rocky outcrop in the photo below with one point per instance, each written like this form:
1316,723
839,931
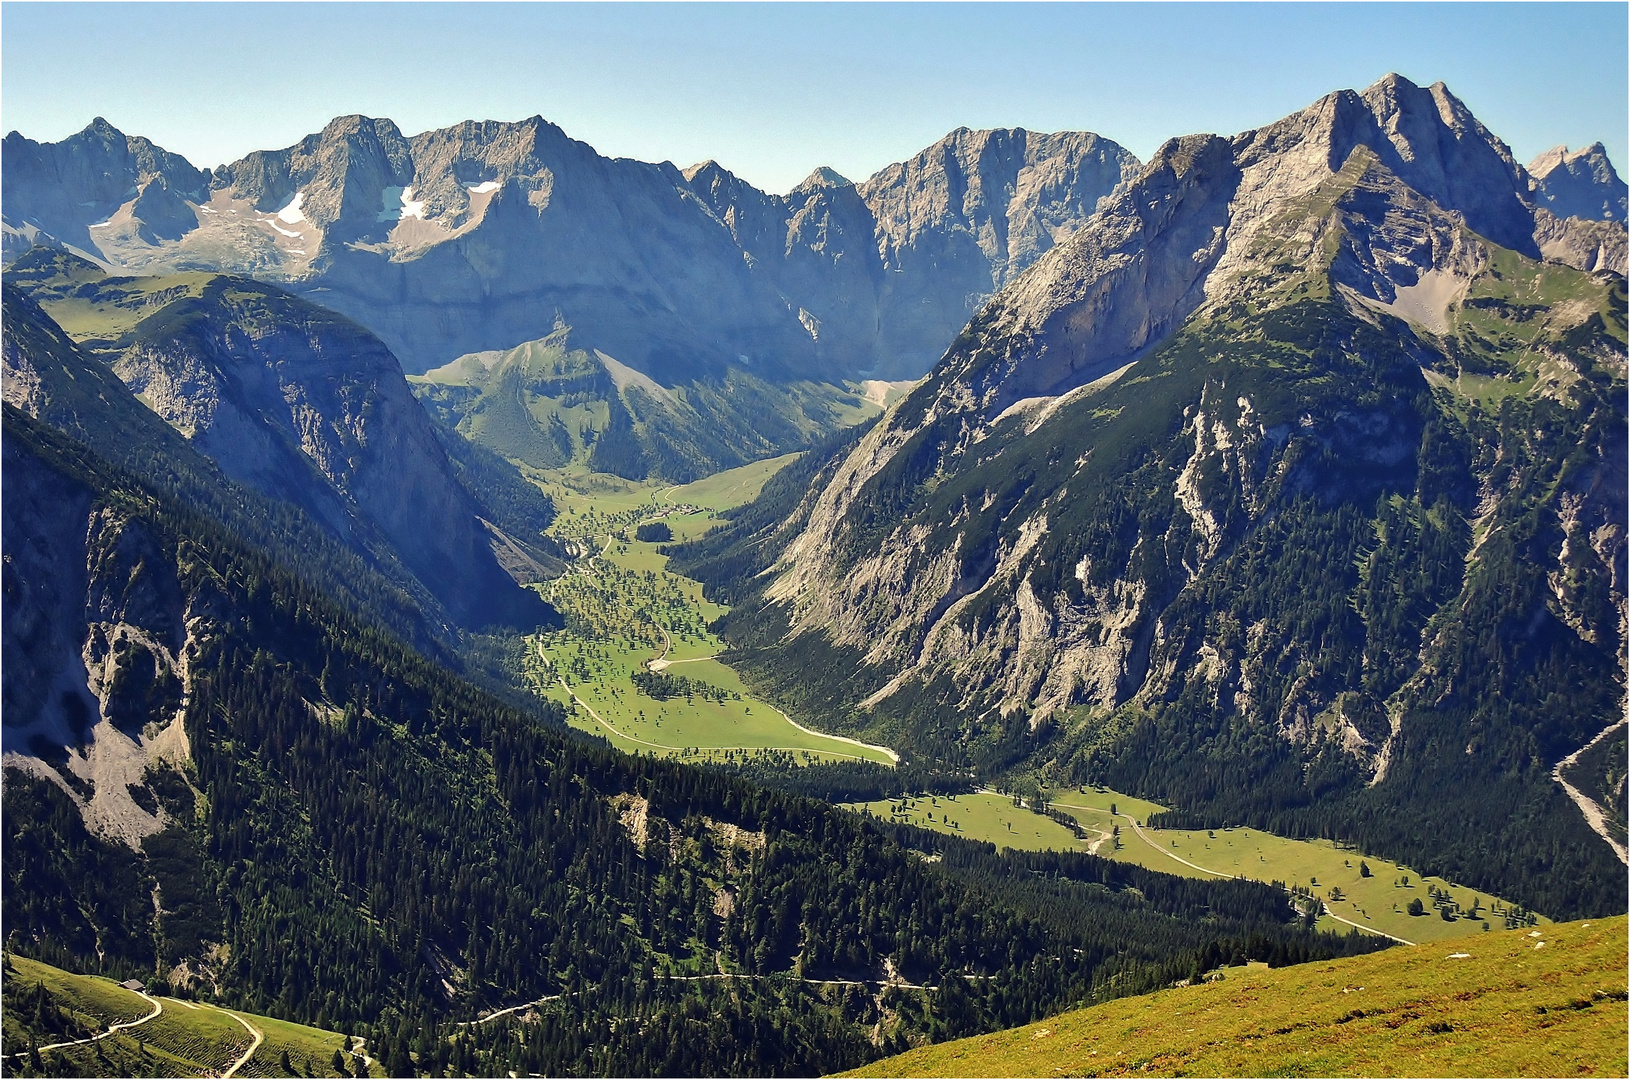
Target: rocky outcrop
1577,242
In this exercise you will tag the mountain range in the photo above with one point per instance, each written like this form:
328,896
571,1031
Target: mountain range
1281,478
756,312
1290,489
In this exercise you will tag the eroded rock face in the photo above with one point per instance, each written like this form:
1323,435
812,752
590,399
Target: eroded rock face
97,638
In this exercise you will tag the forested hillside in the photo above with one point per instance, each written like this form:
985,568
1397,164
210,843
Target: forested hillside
337,831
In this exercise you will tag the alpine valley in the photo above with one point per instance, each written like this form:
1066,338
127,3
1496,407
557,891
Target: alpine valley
1275,489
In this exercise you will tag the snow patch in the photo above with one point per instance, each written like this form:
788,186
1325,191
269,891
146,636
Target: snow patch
398,204
410,207
291,213
483,187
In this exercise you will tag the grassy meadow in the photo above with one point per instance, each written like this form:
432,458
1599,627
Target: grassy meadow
185,1038
1378,902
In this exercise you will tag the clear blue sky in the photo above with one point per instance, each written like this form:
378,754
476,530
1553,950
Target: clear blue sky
771,91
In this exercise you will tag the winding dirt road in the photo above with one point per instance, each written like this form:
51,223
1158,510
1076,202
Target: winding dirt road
113,1029
254,1032
1217,873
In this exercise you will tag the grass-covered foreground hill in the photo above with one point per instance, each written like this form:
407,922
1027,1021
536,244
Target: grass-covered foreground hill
1546,1002
58,1023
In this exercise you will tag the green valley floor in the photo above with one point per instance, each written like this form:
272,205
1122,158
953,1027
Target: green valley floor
635,662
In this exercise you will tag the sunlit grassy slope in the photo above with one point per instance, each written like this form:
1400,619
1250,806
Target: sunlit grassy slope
1379,902
626,614
185,1038
1547,1002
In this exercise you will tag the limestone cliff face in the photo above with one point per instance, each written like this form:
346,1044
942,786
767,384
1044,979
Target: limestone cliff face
965,216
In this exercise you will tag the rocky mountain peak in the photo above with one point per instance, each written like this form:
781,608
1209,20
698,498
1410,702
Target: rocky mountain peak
708,170
1580,184
62,189
1424,135
1560,156
973,211
823,177
335,176
99,128
976,181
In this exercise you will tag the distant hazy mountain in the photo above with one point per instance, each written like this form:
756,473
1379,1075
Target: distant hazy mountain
476,237
752,312
63,189
1582,184
963,218
1289,488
